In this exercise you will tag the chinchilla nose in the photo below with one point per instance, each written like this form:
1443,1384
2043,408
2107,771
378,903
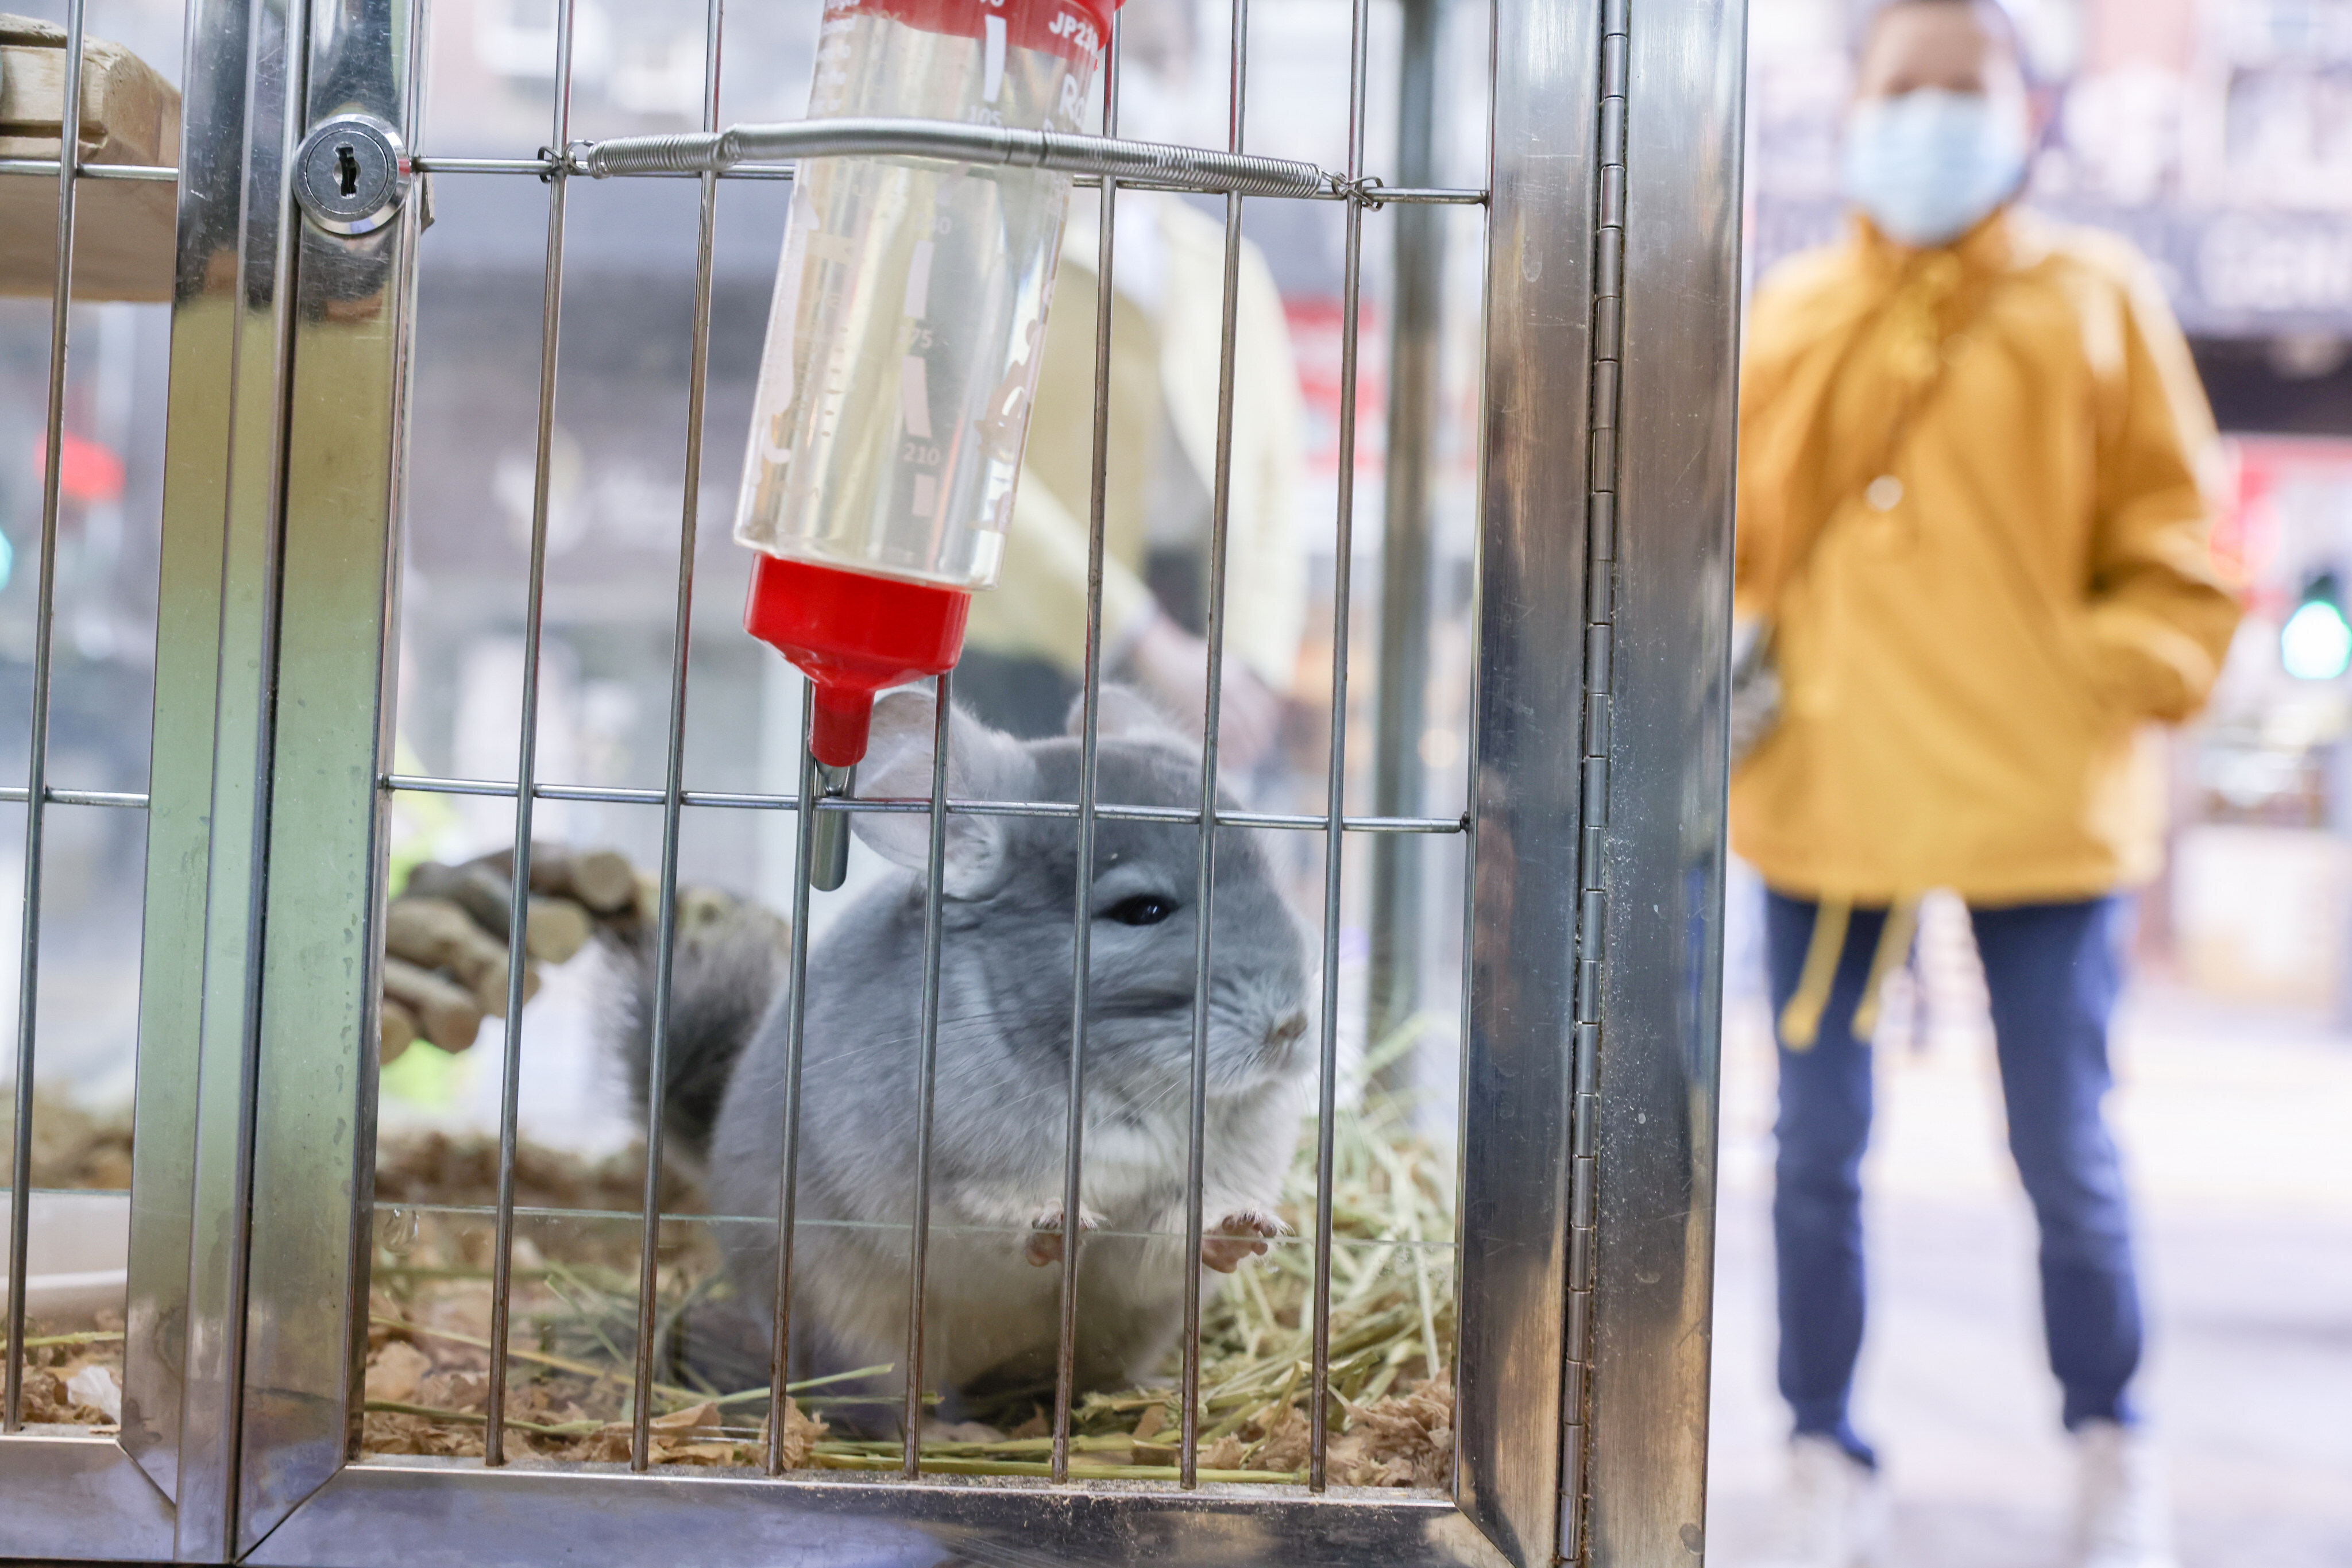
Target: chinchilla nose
1287,1031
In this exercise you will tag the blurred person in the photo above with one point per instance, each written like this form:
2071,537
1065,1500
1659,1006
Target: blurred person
1027,642
1975,479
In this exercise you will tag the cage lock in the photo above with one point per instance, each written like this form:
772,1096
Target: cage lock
350,173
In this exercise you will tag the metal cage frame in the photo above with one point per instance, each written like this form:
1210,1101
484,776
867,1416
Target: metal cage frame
1596,835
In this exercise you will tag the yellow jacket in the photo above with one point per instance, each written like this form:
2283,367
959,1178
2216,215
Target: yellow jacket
1970,654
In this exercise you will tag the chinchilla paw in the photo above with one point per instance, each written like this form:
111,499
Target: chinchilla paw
1239,1235
1046,1234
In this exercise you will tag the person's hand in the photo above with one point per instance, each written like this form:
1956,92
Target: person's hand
1171,665
445,937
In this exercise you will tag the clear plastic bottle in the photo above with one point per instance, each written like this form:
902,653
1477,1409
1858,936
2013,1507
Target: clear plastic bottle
903,348
903,343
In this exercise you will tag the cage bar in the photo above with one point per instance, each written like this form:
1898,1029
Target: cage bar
161,173
1065,1328
674,774
927,1060
1220,506
1183,815
1327,1069
780,1321
1370,191
1398,879
37,791
527,763
131,800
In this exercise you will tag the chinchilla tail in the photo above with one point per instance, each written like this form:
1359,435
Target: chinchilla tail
730,959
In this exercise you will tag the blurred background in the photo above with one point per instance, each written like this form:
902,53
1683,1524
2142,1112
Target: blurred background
2217,135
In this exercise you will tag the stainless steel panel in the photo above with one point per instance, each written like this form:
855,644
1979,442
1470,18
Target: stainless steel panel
1520,1029
78,1498
229,331
423,1513
1662,851
313,1100
188,676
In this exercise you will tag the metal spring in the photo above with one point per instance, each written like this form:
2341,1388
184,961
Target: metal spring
685,153
1155,162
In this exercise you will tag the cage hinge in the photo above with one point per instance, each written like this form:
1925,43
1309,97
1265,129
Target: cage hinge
1592,913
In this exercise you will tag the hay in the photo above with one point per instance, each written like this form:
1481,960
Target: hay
574,1315
88,1150
66,1370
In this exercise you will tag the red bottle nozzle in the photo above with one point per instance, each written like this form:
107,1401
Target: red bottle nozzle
844,713
855,636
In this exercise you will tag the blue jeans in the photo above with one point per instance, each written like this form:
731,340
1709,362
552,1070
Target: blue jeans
2054,971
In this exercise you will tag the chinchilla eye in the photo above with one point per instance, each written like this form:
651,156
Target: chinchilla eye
1142,910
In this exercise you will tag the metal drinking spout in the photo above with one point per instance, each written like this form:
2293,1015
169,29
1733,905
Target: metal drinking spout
829,855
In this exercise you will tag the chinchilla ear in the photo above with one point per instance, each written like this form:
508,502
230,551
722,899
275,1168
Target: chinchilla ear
982,765
1125,714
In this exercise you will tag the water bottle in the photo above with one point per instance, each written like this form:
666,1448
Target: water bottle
903,346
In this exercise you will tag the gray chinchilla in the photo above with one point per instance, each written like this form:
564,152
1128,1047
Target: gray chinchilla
993,1298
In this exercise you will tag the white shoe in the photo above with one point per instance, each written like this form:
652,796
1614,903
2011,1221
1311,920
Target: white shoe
2121,1514
1835,1513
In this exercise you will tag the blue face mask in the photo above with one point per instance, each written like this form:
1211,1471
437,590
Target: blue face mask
1929,165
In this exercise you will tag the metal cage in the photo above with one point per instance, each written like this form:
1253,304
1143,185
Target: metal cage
1595,834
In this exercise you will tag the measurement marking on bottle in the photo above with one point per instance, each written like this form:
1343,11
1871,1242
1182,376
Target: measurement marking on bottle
992,65
915,396
776,439
919,280
1005,416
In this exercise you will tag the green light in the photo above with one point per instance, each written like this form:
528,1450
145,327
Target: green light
2315,644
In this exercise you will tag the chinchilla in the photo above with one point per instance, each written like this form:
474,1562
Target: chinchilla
991,1306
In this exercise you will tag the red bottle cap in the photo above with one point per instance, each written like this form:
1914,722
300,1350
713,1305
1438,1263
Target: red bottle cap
854,635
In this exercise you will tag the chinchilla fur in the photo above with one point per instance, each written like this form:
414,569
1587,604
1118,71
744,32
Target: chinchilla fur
991,1314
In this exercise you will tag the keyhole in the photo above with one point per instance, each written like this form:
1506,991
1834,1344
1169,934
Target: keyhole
348,165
